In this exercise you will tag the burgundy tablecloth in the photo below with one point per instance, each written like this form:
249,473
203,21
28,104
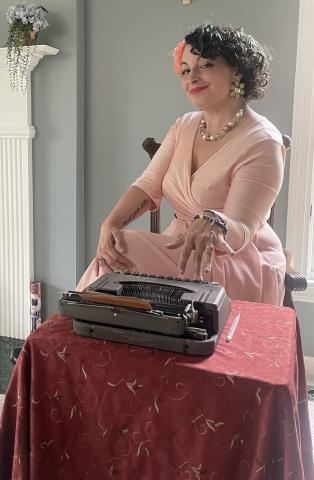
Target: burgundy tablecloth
79,408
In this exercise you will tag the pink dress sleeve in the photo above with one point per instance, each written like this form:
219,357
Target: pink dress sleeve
256,182
151,179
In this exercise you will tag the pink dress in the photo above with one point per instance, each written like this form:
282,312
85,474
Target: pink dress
241,181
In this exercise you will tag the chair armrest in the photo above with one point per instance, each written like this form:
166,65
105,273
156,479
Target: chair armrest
294,281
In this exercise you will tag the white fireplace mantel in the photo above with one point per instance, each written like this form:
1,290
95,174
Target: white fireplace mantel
16,200
40,52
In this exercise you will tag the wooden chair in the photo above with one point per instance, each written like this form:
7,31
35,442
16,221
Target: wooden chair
293,280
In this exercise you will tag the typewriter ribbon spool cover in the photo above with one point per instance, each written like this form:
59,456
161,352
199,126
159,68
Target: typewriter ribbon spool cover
177,315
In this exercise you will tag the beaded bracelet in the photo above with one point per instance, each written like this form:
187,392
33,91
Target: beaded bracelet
216,220
215,215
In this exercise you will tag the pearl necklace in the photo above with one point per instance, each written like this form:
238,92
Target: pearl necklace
226,129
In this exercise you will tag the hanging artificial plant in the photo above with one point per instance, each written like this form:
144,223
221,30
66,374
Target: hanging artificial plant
25,22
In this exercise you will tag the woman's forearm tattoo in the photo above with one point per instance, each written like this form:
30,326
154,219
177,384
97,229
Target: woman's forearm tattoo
134,214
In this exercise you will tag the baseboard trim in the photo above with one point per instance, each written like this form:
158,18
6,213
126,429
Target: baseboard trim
309,370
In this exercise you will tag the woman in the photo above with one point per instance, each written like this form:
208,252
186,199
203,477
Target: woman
220,168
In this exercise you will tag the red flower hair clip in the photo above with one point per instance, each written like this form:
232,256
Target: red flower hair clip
177,57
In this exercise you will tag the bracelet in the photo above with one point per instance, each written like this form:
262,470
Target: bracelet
215,215
216,220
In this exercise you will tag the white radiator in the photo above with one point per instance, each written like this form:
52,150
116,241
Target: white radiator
16,230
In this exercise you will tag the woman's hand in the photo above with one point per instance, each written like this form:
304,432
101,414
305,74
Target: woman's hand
111,249
203,238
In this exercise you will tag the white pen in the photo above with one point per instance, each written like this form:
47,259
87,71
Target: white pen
233,327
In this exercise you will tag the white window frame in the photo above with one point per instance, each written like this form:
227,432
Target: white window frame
300,219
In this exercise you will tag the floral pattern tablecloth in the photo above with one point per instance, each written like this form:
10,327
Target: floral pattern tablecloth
79,408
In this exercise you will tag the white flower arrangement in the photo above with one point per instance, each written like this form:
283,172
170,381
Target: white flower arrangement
28,14
25,21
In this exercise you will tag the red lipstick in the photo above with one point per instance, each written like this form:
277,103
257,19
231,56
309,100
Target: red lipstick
195,90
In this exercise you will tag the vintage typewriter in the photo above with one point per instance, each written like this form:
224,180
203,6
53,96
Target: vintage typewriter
159,312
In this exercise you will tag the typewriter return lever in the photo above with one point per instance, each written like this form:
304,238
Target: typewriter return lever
190,314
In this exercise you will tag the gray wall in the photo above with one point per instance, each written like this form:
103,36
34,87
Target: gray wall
58,150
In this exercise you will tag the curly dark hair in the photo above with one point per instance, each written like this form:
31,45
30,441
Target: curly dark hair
239,50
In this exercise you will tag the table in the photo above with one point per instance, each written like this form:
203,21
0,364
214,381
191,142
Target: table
79,408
